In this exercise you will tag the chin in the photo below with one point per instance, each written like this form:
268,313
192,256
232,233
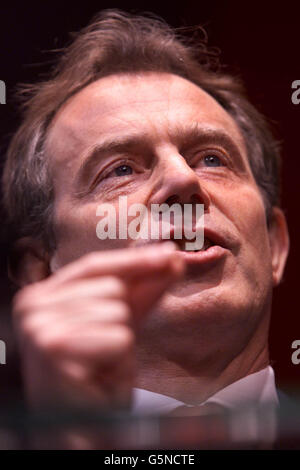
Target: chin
209,301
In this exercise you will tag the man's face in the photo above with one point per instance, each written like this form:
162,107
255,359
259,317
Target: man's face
157,138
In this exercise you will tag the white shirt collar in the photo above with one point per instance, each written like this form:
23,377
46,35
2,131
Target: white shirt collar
258,388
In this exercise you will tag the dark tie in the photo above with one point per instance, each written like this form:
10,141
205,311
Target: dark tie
202,426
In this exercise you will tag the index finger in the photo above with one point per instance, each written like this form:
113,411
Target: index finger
129,262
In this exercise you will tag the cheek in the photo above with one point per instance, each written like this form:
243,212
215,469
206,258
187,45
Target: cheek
75,231
250,219
247,214
243,207
76,228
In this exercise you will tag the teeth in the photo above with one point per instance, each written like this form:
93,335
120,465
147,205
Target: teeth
206,245
180,243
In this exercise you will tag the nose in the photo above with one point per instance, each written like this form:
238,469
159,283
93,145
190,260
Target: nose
177,182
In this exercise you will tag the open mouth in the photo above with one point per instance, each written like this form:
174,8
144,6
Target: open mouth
214,243
182,245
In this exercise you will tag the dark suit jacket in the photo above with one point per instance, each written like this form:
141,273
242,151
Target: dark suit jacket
288,422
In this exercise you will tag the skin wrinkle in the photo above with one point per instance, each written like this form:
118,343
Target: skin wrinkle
195,136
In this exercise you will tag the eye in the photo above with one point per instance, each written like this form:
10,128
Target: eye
123,170
212,160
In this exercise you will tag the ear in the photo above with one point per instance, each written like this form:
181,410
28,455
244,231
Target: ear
279,243
28,262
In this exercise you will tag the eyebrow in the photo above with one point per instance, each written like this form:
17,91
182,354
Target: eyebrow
184,137
119,144
196,134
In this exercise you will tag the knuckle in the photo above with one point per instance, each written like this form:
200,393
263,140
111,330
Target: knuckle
115,285
47,342
37,339
27,328
125,339
91,260
24,299
121,311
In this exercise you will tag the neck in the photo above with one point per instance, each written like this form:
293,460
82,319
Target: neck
193,381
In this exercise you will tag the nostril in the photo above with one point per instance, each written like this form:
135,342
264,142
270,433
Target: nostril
172,199
201,199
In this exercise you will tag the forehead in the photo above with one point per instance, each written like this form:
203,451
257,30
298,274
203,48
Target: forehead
152,104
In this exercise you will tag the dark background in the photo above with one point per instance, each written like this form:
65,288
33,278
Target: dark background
258,41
